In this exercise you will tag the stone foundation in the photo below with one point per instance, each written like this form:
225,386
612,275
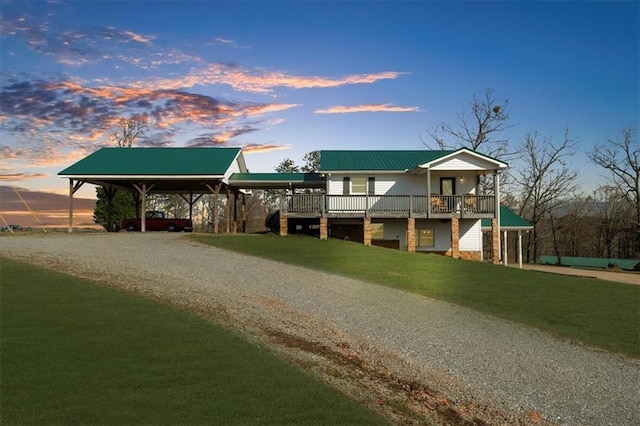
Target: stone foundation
495,241
411,235
455,237
367,231
324,228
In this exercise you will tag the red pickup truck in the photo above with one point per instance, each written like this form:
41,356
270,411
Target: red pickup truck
155,221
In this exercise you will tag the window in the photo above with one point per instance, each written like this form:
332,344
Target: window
426,238
377,231
359,185
371,186
345,185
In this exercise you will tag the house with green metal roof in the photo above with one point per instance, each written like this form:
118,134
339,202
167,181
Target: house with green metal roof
419,200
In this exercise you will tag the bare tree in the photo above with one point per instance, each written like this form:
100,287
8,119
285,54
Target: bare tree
613,222
480,130
621,157
544,179
130,129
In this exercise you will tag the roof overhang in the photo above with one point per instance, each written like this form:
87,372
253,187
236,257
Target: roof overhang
277,180
157,184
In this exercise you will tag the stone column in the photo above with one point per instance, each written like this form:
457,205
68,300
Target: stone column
367,231
455,237
495,241
411,235
284,222
324,228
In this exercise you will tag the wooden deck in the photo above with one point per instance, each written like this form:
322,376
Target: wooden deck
389,206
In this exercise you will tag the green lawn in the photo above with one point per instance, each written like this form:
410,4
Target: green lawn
599,313
74,352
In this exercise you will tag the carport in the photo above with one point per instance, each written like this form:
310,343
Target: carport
143,171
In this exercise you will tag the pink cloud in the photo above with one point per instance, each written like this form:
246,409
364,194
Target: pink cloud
263,81
340,109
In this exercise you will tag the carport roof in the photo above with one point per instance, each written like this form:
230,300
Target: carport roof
154,162
169,170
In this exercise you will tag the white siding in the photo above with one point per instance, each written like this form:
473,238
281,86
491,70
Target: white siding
442,234
385,184
470,235
396,230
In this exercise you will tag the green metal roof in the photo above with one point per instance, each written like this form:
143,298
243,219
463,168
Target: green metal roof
377,160
508,220
590,262
154,162
277,177
277,180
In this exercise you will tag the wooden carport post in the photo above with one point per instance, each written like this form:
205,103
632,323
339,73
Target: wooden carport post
215,192
73,188
143,204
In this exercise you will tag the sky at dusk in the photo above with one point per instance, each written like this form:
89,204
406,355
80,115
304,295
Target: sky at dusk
280,79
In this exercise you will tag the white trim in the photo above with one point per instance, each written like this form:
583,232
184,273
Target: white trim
499,164
127,177
365,172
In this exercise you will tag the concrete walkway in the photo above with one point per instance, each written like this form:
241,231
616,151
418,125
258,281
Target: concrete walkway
617,276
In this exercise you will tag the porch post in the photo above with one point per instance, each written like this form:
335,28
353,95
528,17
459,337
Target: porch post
505,257
496,191
70,206
429,193
411,235
367,231
455,237
520,249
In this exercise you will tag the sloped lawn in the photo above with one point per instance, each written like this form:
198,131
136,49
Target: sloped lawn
78,353
599,313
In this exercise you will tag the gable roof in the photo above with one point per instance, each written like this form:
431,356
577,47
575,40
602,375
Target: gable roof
151,162
388,160
509,220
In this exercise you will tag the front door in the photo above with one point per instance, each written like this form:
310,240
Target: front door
447,190
447,186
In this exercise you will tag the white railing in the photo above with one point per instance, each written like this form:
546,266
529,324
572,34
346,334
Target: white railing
402,205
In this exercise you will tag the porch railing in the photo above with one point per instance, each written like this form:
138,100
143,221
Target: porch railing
434,205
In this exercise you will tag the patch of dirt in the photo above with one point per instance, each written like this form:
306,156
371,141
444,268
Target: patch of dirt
402,400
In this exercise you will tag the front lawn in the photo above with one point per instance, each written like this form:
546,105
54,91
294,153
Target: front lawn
599,313
78,353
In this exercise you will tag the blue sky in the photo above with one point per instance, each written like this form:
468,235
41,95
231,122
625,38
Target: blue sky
284,78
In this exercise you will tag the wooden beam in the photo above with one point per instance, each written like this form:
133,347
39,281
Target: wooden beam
73,188
215,192
228,212
143,191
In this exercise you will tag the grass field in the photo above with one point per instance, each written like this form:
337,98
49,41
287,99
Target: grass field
78,353
603,314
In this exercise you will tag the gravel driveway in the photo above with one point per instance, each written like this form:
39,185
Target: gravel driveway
383,346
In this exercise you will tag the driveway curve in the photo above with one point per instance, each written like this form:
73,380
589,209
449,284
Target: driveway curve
385,347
